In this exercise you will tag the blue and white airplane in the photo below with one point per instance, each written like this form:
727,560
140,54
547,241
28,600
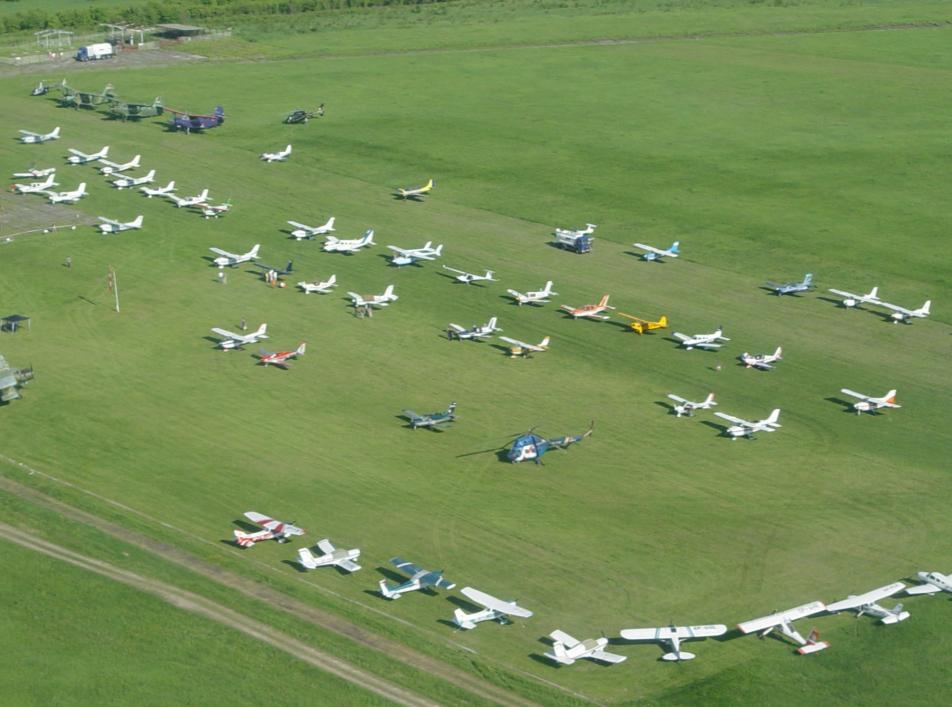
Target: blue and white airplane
27,137
791,288
419,578
652,253
409,256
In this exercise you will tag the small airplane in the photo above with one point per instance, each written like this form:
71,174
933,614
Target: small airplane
433,420
110,167
188,122
29,138
531,447
231,340
319,287
409,256
280,358
213,210
702,341
901,314
866,604
671,637
183,201
381,300
37,187
790,288
566,650
687,407
278,272
414,193
475,333
521,348
762,361
160,191
852,300
868,403
277,156
126,182
592,311
534,297
469,278
744,428
495,609
643,325
784,621
933,582
108,225
77,157
652,253
345,559
34,173
576,233
419,578
336,245
67,197
302,231
276,529
232,259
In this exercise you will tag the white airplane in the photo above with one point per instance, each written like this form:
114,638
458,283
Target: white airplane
415,193
851,300
652,253
108,225
331,556
213,210
534,297
33,138
468,277
126,182
36,187
566,650
34,173
232,259
319,287
867,403
495,609
110,167
409,256
302,231
182,201
159,191
901,314
475,333
419,578
762,361
276,529
521,348
77,157
381,300
866,604
231,340
933,582
744,428
336,245
277,156
671,637
571,233
687,407
67,197
784,621
702,341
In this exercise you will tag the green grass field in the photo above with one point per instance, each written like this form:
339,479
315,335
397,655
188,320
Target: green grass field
766,156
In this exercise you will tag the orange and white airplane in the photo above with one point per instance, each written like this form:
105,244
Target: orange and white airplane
642,325
280,358
593,311
868,403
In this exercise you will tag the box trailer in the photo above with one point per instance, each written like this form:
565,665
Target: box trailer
91,52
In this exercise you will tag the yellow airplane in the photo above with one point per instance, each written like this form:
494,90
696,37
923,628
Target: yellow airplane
415,193
643,325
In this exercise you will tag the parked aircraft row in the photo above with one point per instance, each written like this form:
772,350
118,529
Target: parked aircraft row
897,313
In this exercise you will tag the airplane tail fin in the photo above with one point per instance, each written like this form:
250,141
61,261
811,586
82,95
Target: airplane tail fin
134,162
429,184
81,190
55,133
873,293
151,175
388,292
427,245
300,349
491,324
924,309
778,353
306,558
104,151
243,539
254,251
774,416
461,619
219,111
544,343
385,590
663,321
709,400
288,149
548,287
204,195
489,274
137,222
329,226
438,250
262,330
170,186
332,280
369,237
558,648
890,397
808,278
674,247
603,302
289,266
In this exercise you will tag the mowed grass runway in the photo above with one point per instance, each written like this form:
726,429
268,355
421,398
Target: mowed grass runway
767,158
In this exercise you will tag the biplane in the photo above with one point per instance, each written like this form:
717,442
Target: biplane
87,99
134,111
642,325
195,121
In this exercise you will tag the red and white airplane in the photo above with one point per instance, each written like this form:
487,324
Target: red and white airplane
280,358
273,529
593,311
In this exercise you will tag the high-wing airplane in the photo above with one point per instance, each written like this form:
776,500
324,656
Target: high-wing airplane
762,361
277,156
34,173
744,428
381,300
32,138
784,621
302,231
109,167
126,182
901,314
592,311
336,245
702,341
433,420
232,259
67,197
495,609
414,193
870,404
671,636
275,529
576,233
277,272
231,340
77,157
469,278
643,325
866,604
932,582
652,253
852,300
318,286
160,191
791,288
409,256
331,556
280,358
37,187
213,210
687,407
521,348
475,333
108,225
419,578
566,650
183,201
534,297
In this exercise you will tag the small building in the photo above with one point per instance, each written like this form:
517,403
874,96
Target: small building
13,322
176,31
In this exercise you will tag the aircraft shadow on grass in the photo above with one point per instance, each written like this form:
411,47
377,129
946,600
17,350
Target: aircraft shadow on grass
466,606
502,348
721,429
296,565
667,406
847,405
640,256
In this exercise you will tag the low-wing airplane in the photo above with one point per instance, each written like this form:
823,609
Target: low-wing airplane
37,187
762,361
277,156
108,225
34,173
852,300
784,621
870,404
521,348
534,297
302,231
576,233
331,556
409,256
901,314
188,122
280,358
475,333
77,157
643,325
276,529
28,137
336,245
213,210
232,259
866,604
495,609
183,201
657,254
67,197
381,300
671,636
419,578
744,428
321,287
159,191
433,420
231,340
791,288
414,193
566,649
468,278
932,582
127,182
687,407
531,446
110,167
702,341
592,311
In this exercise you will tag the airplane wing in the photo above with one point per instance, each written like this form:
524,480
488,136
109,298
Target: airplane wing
348,565
762,365
491,602
227,334
29,133
640,634
444,583
401,251
76,152
847,391
677,398
225,253
302,226
457,328
262,520
607,657
681,337
412,416
516,342
701,631
108,221
735,420
563,637
649,248
923,589
404,566
461,272
856,601
893,307
326,546
843,293
766,622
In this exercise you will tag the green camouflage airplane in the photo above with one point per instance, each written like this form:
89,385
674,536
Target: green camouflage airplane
11,379
134,111
88,99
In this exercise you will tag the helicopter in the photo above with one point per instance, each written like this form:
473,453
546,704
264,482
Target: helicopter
532,446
